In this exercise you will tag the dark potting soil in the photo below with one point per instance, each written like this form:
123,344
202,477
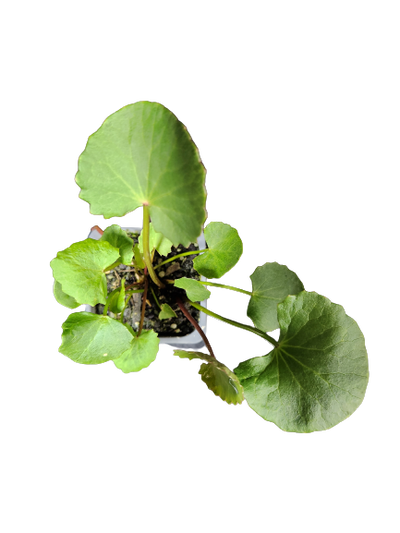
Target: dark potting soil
181,267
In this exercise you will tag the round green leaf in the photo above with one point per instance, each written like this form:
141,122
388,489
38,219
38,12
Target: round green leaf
143,155
118,238
92,339
80,270
194,289
142,351
224,250
317,376
271,284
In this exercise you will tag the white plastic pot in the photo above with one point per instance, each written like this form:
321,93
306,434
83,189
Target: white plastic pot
193,341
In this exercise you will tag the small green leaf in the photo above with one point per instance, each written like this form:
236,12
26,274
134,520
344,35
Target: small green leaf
224,250
63,298
138,257
166,312
194,289
142,351
118,238
117,299
92,339
143,155
157,241
271,284
80,270
318,374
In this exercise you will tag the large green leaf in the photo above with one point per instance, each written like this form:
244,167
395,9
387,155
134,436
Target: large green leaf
80,270
118,238
224,250
92,339
218,378
194,289
143,155
318,374
271,284
142,351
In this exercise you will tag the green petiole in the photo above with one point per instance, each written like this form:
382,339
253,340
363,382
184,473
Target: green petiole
236,324
194,252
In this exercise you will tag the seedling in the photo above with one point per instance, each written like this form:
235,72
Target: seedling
143,157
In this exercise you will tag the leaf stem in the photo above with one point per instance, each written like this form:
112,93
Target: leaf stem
196,325
146,246
155,297
195,252
226,287
236,324
144,298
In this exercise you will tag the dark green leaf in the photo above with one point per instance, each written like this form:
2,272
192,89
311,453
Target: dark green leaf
271,284
215,375
318,375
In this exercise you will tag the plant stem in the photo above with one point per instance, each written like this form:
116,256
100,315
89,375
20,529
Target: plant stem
236,324
226,287
146,246
133,285
155,297
106,307
196,325
195,252
144,298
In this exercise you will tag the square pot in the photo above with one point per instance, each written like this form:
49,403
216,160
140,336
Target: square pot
192,341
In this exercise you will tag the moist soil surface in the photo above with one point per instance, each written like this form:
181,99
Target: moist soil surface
181,267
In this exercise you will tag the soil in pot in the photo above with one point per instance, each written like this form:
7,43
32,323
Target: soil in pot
182,267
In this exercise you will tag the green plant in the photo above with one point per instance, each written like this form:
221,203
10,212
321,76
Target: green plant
142,156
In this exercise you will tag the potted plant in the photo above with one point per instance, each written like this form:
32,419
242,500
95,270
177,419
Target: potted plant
171,325
141,287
